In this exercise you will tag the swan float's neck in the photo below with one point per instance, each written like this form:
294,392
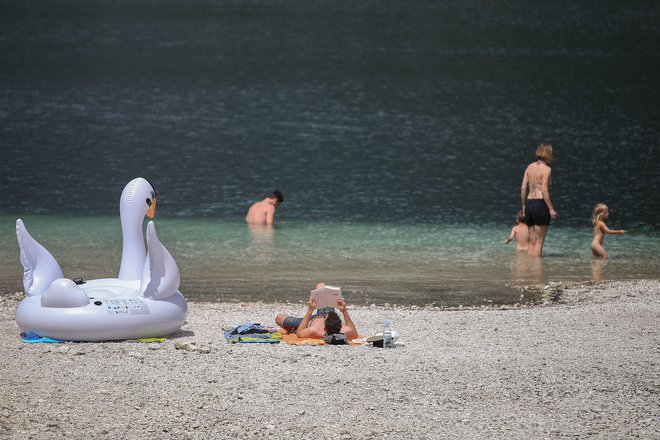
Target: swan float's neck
133,250
132,208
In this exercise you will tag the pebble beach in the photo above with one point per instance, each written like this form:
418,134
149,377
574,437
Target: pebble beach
582,363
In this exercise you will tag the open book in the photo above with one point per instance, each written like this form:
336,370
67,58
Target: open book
327,296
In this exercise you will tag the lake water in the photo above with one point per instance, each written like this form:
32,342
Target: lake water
397,132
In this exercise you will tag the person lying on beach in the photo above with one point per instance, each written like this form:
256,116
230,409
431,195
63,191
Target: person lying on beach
317,325
601,212
520,233
263,212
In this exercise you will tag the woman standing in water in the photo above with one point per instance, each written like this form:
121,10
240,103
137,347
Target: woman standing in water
535,195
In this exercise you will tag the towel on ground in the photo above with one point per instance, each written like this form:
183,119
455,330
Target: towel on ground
293,339
252,333
32,338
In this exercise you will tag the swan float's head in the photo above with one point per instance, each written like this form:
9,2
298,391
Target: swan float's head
137,200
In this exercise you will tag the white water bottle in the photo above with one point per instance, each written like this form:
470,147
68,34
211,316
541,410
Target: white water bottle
387,336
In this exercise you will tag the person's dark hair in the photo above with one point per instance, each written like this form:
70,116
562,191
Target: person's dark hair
276,195
332,323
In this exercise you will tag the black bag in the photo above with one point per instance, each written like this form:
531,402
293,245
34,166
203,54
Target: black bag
335,339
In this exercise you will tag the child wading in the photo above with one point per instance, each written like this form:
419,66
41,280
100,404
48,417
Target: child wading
601,212
520,232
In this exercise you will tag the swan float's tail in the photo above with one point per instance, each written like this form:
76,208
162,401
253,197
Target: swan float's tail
160,274
40,268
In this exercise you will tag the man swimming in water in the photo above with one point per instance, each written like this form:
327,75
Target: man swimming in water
317,325
263,212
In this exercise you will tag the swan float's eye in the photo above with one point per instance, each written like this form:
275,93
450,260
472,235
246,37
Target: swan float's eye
152,199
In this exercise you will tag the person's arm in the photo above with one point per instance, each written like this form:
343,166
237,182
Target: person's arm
545,188
513,234
353,333
523,189
303,330
607,230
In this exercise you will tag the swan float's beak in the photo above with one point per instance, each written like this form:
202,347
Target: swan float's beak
151,212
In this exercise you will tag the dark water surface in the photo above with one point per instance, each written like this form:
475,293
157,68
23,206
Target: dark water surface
398,124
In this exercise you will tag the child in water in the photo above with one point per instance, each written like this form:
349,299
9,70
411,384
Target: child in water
601,212
520,232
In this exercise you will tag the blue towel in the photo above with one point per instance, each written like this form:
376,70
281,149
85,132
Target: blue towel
32,338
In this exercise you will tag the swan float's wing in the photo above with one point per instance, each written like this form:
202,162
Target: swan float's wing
160,276
40,268
64,293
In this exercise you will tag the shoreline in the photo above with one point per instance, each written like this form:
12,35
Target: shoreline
584,362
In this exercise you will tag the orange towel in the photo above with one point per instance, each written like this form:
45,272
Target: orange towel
293,339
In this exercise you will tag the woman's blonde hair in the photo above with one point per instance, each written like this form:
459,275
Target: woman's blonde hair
544,152
599,210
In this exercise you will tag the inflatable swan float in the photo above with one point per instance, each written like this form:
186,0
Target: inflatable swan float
143,301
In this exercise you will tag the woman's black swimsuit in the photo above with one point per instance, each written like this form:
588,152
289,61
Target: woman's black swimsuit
537,213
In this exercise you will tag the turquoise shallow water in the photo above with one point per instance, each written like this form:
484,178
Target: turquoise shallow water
225,260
